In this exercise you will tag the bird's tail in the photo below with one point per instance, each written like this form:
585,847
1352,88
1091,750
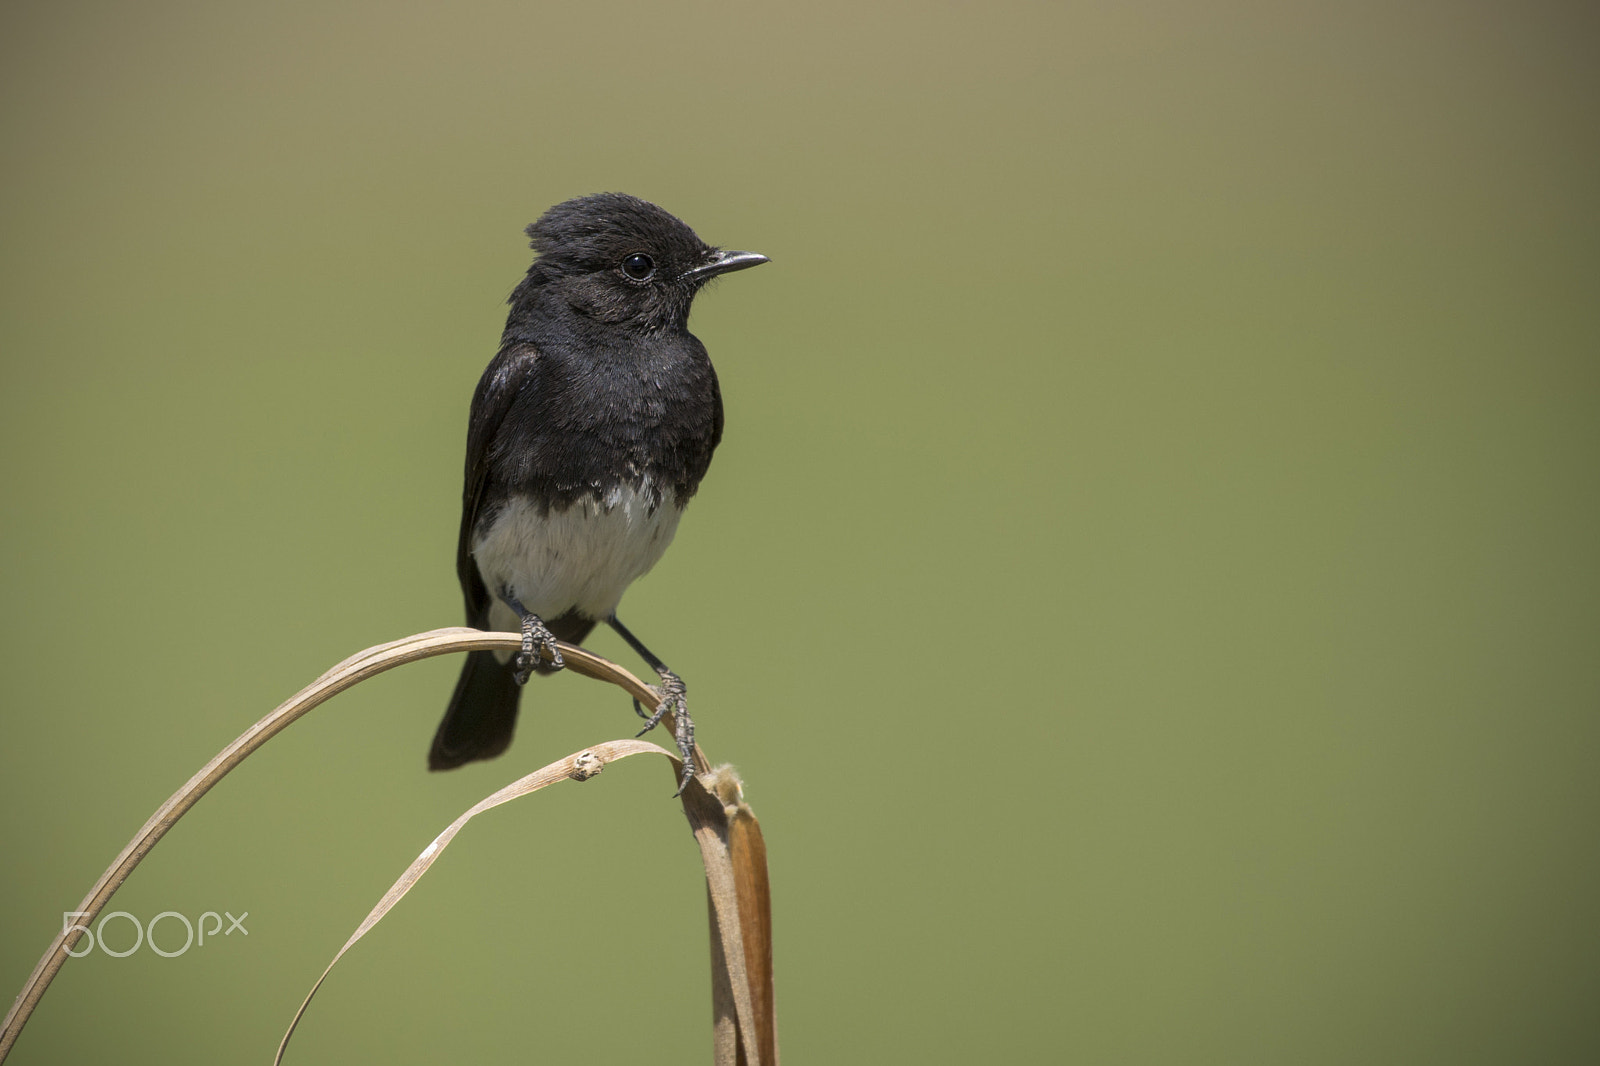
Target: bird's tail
482,714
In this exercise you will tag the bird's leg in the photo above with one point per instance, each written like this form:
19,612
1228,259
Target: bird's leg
537,640
674,698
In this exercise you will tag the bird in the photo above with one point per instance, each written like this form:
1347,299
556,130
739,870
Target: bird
589,432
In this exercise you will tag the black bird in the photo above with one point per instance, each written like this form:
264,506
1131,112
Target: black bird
590,431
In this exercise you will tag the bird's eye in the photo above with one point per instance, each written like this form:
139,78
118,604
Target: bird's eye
638,266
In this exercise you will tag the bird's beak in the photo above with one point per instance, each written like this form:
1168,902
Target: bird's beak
725,263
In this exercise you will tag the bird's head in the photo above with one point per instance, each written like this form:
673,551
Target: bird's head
621,260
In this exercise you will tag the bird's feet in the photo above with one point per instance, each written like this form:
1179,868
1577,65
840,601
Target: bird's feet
537,643
675,699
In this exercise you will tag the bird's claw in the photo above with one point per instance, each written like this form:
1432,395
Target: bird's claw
537,641
674,698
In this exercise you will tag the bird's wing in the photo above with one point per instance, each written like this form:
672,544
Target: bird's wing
514,369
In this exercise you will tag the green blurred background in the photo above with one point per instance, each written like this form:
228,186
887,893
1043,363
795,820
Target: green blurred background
1149,581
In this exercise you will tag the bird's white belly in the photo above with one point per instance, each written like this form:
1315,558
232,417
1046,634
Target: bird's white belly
583,557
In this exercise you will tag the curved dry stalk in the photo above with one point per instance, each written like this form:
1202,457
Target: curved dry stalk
747,851
735,1025
355,669
579,766
744,1029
